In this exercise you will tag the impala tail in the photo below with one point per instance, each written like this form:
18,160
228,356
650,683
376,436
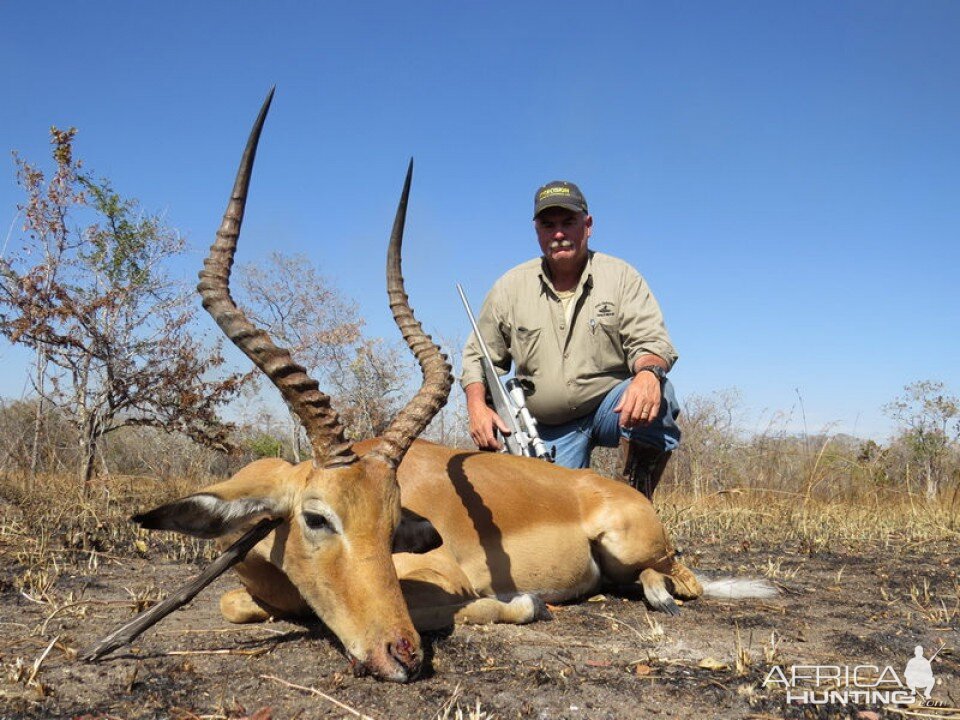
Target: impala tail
734,588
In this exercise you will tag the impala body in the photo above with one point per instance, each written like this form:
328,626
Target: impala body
515,532
390,535
520,525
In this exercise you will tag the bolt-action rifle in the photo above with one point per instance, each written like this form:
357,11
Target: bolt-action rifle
509,402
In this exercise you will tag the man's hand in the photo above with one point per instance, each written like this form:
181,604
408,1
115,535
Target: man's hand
483,419
640,403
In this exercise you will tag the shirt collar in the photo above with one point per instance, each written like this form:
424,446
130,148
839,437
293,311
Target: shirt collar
586,277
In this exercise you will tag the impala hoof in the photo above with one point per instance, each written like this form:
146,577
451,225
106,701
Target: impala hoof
655,590
660,598
663,602
540,610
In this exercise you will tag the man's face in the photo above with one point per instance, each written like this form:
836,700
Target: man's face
563,236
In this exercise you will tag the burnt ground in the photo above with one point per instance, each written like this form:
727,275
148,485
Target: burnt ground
609,657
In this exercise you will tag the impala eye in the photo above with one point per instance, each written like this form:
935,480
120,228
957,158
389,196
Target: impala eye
316,521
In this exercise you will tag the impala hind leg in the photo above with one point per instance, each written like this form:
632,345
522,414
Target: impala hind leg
685,584
630,543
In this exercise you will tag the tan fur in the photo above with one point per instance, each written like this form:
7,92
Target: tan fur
516,532
522,525
348,579
509,525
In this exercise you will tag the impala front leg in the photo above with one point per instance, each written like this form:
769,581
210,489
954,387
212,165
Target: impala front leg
439,594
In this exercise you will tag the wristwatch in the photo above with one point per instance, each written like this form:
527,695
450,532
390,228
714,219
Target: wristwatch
655,369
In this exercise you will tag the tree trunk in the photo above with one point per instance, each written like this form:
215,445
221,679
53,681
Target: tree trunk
294,434
37,420
88,457
931,481
35,445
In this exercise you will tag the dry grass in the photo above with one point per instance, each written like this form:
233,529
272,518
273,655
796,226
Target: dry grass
49,537
49,532
752,515
455,708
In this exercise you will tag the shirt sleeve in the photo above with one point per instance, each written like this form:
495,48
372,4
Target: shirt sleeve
491,324
641,325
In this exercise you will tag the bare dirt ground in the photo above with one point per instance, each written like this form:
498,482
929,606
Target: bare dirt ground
609,657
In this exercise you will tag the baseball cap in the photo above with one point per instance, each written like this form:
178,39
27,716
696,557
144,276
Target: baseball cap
559,193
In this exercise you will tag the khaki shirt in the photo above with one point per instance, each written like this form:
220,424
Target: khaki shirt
573,364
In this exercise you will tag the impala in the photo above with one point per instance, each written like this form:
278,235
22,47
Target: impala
385,537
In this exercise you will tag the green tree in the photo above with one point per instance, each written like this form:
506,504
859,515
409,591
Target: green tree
930,419
87,291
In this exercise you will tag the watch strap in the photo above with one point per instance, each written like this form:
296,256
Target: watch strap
655,369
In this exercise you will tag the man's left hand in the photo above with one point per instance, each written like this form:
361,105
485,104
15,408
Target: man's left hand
640,403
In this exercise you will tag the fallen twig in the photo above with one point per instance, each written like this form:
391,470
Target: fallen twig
489,668
932,712
39,661
318,693
68,606
231,556
220,631
220,651
644,637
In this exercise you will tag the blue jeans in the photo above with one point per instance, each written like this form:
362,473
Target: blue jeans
575,440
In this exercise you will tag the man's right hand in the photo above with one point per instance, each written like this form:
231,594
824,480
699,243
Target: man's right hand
484,420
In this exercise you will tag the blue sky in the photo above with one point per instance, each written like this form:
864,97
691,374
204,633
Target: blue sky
785,175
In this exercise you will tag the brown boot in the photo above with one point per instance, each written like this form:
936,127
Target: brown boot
642,465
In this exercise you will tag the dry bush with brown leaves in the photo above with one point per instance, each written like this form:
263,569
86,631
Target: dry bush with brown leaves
86,289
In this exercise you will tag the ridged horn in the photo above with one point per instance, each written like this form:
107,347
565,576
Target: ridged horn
299,390
433,392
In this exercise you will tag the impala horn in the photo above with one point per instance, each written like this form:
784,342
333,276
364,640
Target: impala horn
301,392
433,392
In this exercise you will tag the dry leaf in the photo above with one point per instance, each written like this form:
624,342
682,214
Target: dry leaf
711,664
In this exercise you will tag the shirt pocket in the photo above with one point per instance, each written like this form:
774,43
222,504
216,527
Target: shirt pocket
527,351
608,355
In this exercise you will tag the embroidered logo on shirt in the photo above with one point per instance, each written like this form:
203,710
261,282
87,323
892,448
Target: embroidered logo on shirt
604,309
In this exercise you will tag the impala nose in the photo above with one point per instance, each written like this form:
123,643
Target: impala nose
397,661
407,655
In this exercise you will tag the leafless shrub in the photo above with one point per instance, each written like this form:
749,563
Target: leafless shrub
368,387
451,426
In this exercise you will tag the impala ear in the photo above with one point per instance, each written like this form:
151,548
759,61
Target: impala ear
415,534
205,515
